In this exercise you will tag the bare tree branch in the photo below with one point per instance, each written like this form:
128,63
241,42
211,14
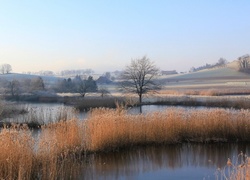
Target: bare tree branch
139,77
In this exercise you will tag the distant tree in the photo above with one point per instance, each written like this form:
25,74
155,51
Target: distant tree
5,68
26,85
14,88
4,86
139,77
244,63
76,72
221,62
108,75
85,86
104,92
192,69
37,84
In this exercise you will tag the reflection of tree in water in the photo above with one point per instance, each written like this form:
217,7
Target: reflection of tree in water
131,163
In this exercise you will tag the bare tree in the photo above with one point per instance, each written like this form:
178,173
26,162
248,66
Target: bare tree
139,77
221,62
5,68
85,86
37,84
104,92
14,88
244,63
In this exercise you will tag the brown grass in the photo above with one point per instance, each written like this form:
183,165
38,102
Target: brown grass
238,169
17,154
57,152
109,129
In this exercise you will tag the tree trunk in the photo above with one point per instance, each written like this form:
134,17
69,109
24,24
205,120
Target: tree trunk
140,98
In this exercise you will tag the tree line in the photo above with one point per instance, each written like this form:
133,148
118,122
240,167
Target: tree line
244,63
220,63
5,68
77,85
36,85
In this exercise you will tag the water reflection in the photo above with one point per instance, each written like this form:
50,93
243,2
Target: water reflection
183,161
153,108
43,113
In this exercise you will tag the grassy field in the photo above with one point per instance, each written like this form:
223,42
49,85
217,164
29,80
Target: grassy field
61,146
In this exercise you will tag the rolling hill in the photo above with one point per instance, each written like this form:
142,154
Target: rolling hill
223,76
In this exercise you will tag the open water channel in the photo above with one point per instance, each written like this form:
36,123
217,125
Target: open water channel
181,161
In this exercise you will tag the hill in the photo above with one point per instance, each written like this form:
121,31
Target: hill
224,76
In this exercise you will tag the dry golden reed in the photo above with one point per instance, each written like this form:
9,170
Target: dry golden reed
239,169
111,129
17,154
57,151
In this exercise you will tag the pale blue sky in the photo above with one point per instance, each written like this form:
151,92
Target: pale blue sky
104,35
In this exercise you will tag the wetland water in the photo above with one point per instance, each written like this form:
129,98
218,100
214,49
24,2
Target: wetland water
182,161
175,162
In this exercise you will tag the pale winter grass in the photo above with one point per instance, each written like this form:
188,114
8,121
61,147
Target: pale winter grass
57,152
35,117
238,169
8,109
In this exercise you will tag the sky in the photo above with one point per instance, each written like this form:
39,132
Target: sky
104,35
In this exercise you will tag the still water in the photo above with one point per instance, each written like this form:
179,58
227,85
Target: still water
177,162
52,112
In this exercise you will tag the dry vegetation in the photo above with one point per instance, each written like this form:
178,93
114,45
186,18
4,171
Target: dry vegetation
86,103
57,152
237,170
8,109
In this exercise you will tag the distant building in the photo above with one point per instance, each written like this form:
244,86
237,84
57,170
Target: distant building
103,80
168,72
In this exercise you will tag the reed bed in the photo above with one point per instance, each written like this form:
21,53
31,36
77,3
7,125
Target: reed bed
109,129
17,154
60,148
8,109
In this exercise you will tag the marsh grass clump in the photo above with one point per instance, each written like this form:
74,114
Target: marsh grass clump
113,129
8,109
37,117
85,104
17,158
56,153
60,148
236,169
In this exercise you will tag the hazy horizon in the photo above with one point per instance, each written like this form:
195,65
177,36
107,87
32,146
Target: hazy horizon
106,35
